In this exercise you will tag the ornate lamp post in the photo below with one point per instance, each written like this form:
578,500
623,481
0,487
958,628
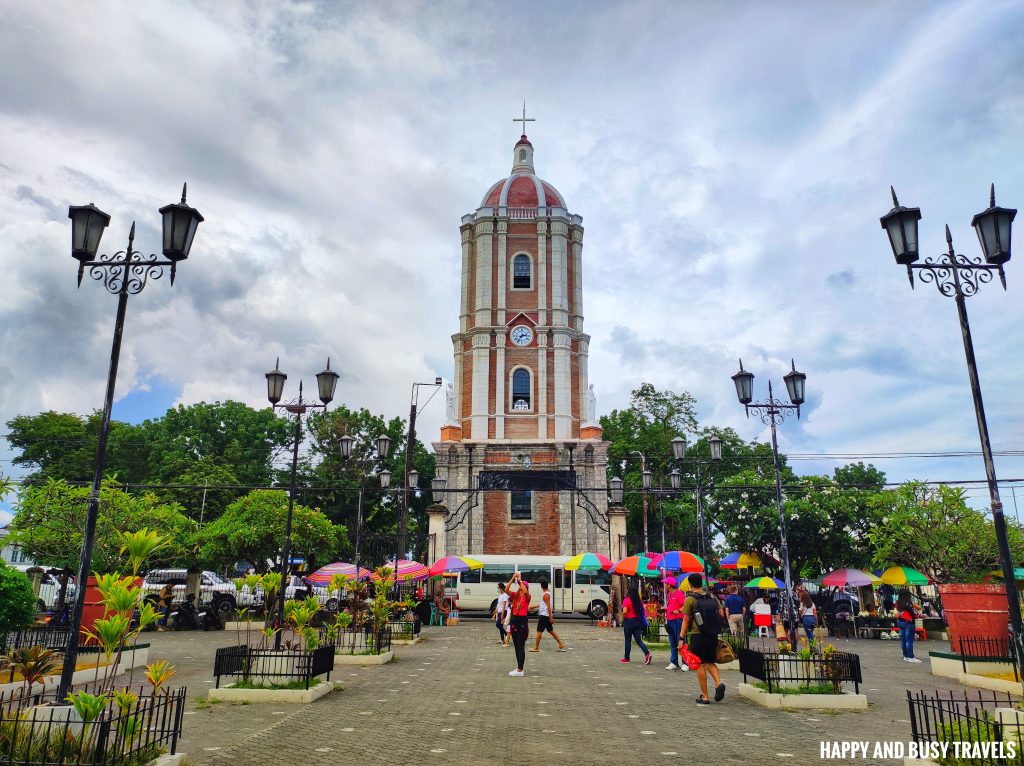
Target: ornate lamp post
959,277
679,453
773,411
326,382
368,460
124,273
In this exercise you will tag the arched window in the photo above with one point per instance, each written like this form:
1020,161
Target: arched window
521,389
522,155
521,272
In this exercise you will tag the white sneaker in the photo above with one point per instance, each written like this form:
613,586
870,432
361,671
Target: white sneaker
914,659
671,666
909,659
685,668
516,673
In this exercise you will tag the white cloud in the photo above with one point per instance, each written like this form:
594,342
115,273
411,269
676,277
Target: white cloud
730,165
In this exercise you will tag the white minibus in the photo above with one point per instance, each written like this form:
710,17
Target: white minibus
582,592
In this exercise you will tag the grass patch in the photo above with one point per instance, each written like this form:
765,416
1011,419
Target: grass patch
660,646
807,689
291,685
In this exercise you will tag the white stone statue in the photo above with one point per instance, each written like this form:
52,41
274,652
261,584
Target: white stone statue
591,405
449,396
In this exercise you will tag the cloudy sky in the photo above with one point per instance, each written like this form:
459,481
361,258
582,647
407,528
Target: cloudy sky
730,161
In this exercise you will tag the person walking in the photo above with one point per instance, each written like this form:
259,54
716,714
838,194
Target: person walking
736,609
499,614
544,619
633,622
674,623
702,622
519,603
808,615
905,616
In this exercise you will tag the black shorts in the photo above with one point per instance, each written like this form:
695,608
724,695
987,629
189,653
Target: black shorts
544,623
704,646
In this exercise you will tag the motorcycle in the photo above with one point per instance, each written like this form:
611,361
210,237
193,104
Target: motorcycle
209,617
184,617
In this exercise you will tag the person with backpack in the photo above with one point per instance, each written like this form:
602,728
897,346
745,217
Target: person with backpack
702,622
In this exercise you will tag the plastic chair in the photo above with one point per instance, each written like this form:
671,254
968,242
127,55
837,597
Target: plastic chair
436,618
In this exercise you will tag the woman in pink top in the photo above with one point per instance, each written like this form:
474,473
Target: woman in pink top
519,593
633,621
674,623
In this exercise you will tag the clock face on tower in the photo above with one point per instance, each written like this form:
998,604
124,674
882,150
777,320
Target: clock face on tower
522,335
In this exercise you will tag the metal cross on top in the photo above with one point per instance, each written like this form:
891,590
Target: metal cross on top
524,119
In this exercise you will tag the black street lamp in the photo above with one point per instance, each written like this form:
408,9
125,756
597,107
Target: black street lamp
773,411
326,382
124,273
959,277
366,463
679,454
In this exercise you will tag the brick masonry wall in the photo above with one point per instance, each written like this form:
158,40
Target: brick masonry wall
539,538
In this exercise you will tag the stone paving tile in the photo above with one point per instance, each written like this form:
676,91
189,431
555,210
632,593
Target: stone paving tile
448,700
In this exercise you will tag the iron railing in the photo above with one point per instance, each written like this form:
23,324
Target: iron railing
363,640
269,667
135,731
947,721
788,669
989,649
47,637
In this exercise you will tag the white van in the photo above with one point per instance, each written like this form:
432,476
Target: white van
582,592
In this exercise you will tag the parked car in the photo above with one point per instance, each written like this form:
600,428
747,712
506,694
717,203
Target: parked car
213,589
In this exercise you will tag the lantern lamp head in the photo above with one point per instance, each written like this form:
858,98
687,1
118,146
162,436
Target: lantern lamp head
994,227
900,224
180,223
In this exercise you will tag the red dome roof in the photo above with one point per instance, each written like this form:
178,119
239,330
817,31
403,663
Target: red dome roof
522,190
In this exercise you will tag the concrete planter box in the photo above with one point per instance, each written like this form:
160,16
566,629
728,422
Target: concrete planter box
734,665
131,658
406,641
364,659
993,684
168,760
289,696
254,626
844,701
949,665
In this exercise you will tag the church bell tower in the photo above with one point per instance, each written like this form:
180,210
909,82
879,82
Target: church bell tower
521,442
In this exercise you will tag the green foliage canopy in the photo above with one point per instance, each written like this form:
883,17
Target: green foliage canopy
17,603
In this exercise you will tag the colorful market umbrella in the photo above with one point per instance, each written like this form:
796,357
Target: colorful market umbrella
742,560
904,576
407,570
454,564
588,562
856,577
684,580
324,574
635,566
765,583
678,561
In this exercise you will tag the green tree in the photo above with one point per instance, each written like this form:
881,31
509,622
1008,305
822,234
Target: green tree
934,530
204,489
50,518
648,426
17,603
230,434
252,529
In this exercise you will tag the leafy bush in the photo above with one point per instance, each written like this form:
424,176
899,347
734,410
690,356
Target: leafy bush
17,602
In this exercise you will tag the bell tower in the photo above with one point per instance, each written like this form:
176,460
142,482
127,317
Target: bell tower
521,440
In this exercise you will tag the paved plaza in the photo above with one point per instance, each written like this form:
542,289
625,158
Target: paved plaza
449,700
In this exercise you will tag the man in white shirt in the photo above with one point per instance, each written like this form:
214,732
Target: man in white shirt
499,614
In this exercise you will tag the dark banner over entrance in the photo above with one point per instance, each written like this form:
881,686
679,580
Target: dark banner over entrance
537,481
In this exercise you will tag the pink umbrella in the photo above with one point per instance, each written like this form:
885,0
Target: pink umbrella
840,577
407,570
324,574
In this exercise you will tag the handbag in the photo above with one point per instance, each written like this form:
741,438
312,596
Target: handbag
507,622
724,652
692,660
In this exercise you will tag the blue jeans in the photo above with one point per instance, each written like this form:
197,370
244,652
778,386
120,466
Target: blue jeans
809,625
633,628
674,627
906,637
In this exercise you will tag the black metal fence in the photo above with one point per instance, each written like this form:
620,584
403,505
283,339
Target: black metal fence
364,640
947,721
131,729
1000,651
47,637
267,667
777,669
